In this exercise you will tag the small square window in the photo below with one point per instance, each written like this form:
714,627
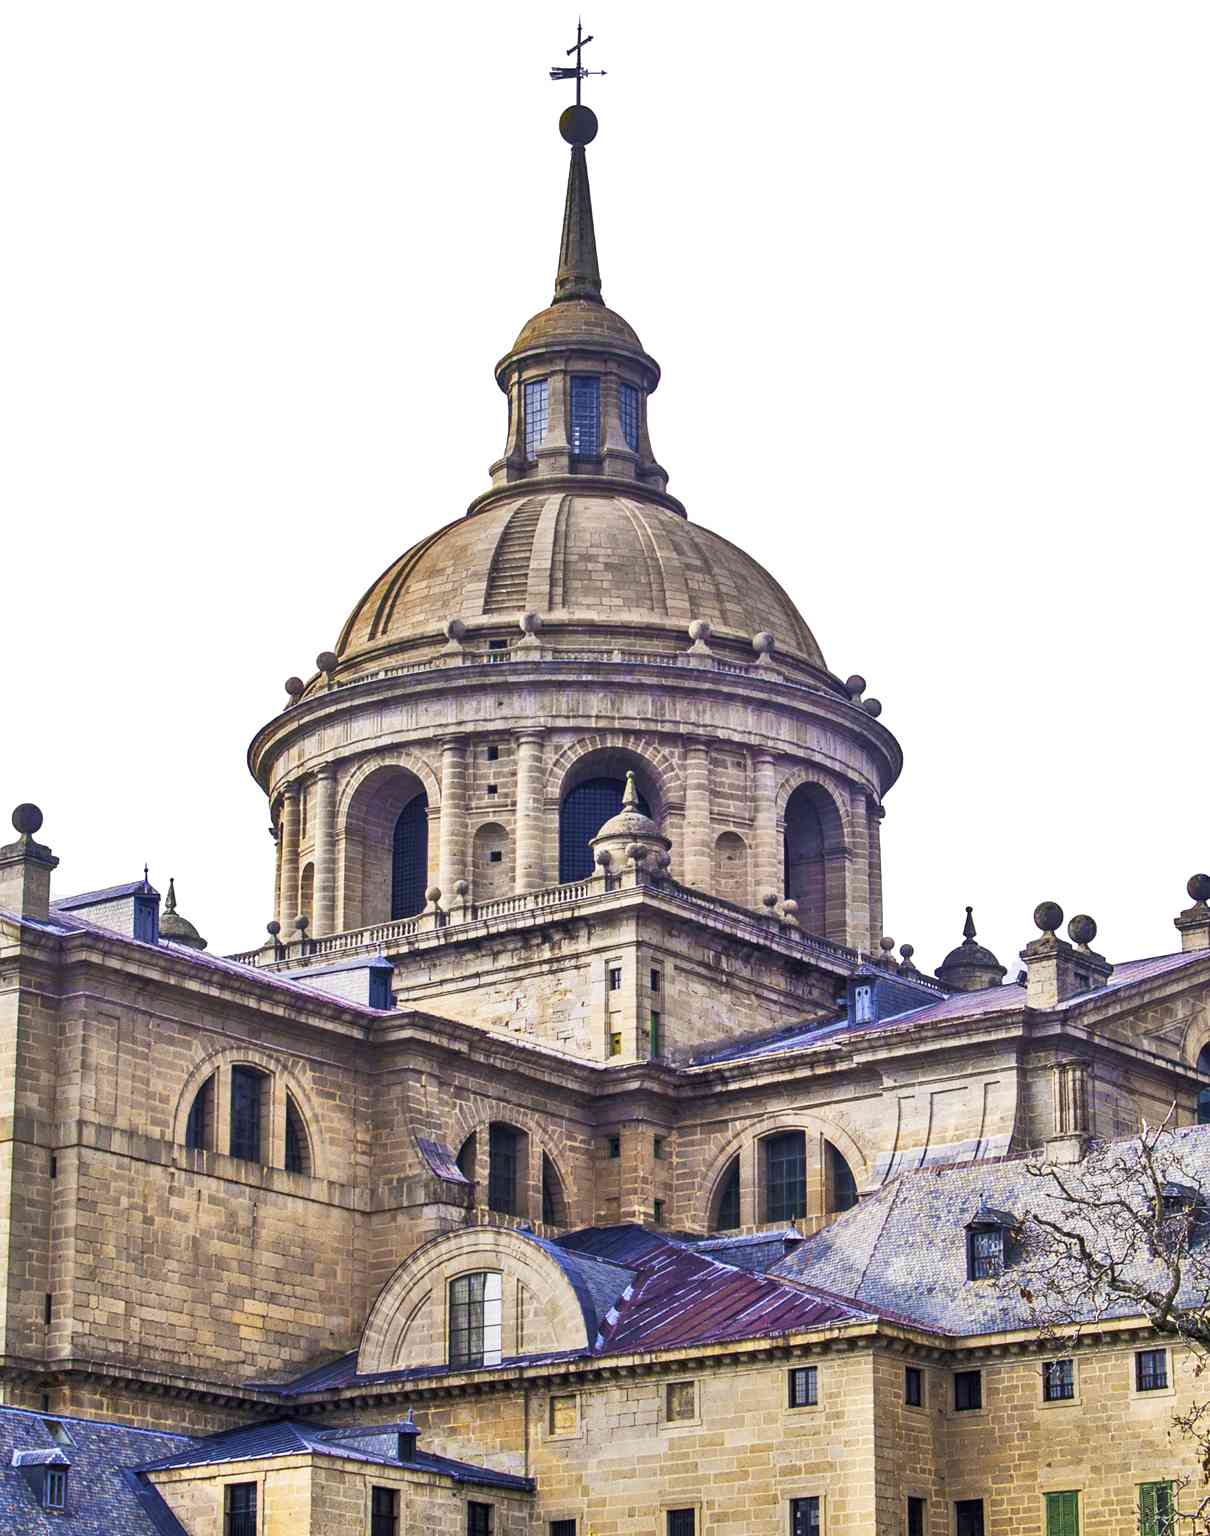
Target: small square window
496,645
915,1516
493,754
564,1414
680,1401
615,1146
968,1391
913,1386
804,1516
804,1386
657,1212
615,978
615,1045
1151,1370
495,856
562,1528
660,1143
480,1519
54,1489
493,789
1058,1381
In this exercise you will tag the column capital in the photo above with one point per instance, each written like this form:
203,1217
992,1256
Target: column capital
292,790
454,741
697,743
530,733
764,759
324,771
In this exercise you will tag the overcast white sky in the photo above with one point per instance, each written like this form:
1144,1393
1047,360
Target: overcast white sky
928,283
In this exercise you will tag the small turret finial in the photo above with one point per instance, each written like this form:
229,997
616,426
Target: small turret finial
968,928
579,276
170,899
630,798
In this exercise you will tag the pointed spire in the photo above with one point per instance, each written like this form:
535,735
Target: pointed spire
630,798
968,928
578,277
170,899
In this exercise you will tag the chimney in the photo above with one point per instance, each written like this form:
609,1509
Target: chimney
1194,922
409,1433
1056,970
25,868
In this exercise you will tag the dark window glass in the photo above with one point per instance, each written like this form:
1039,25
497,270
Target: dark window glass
584,811
728,1200
1062,1514
553,1213
537,415
915,1517
410,858
1151,1369
247,1101
585,415
658,1147
968,1519
628,408
146,920
615,978
200,1127
657,1033
844,1185
479,1521
475,1319
466,1159
384,1512
1058,1380
655,981
986,1253
804,1517
493,754
239,1509
657,1212
968,1390
682,1522
1203,1107
496,856
615,1146
298,1152
785,1176
804,1386
54,1488
913,1386
502,1171
1156,1509
562,1528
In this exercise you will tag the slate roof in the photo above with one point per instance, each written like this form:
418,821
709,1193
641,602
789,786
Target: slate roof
902,1252
104,1497
109,893
757,1252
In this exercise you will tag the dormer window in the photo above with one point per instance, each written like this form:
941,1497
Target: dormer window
585,415
54,1488
987,1243
537,415
863,1004
628,409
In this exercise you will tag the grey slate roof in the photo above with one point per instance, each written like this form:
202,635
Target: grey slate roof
104,1497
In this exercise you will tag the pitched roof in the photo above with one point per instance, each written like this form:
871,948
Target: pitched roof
109,893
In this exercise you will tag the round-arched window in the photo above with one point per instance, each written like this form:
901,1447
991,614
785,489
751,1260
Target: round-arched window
410,857
584,811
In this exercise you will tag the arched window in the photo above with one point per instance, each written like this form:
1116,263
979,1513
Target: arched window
493,875
554,1207
306,891
842,1186
814,861
249,1111
298,1147
507,1161
785,1159
731,869
199,1128
1203,1098
726,1204
466,1158
410,857
584,811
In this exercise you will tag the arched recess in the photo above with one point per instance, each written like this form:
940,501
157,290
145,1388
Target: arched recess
1203,1095
471,1133
815,861
590,794
724,1202
388,856
306,891
491,863
554,1203
731,878
214,1072
298,1142
199,1126
840,1186
747,1148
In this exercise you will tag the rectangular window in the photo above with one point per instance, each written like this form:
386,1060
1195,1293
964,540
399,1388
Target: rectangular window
537,415
660,1143
615,1045
239,1509
564,1414
968,1390
1058,1381
655,981
493,789
475,1320
680,1401
503,1155
804,1517
804,1386
628,409
585,415
493,754
615,1146
495,856
682,1522
913,1386
1151,1370
562,1528
657,1032
247,1102
384,1512
863,1001
1062,1514
1156,1509
54,1489
615,978
657,1212
916,1510
785,1176
479,1519
968,1517
986,1253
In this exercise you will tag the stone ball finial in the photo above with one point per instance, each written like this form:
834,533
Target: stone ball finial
769,899
664,859
27,819
531,622
294,686
455,629
433,894
273,928
855,686
1198,886
699,630
327,661
907,950
1082,929
1047,916
764,642
789,910
604,857
578,124
461,887
302,922
872,707
637,852
886,944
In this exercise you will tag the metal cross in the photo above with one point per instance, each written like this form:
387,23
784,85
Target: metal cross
576,72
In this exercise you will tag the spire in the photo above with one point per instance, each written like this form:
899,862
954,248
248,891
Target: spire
579,276
630,799
968,928
170,899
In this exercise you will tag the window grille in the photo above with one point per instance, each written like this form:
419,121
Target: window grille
1062,1514
475,1319
537,415
584,811
728,1200
682,1522
804,1517
985,1253
410,858
503,1153
585,415
239,1509
628,408
1156,1511
913,1386
247,1105
384,1512
1151,1370
1058,1380
968,1391
804,1386
785,1176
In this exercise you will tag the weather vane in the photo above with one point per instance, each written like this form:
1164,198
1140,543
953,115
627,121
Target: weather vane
576,72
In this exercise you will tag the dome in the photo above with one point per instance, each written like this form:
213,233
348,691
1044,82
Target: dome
970,967
576,320
175,927
601,558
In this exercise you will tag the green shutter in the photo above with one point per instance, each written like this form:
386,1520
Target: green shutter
1062,1514
1155,1509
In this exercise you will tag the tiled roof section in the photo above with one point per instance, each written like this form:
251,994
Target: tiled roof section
99,898
104,1497
627,1243
284,1437
757,1252
903,1250
441,1161
597,1282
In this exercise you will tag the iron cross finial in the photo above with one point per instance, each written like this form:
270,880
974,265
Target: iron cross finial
576,72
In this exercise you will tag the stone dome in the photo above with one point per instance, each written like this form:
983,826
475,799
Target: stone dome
971,966
600,558
578,321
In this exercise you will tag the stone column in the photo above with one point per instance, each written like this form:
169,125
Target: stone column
530,865
696,852
769,862
323,919
289,859
452,864
857,915
278,842
875,828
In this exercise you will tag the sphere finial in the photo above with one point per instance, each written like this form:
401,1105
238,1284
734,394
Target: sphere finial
1198,887
1047,916
578,125
27,819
